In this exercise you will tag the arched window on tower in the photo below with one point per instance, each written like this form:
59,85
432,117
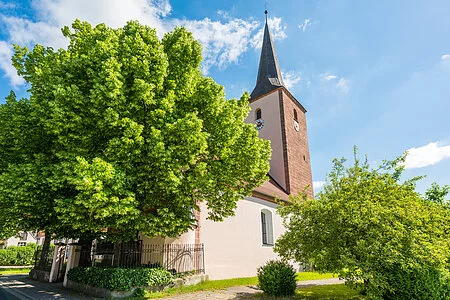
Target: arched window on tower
258,114
295,115
266,227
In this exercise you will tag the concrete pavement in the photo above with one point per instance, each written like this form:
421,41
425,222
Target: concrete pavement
20,287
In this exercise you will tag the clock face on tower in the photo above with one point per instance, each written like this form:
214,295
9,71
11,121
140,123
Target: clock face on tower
259,124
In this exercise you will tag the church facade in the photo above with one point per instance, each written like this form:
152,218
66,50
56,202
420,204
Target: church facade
237,246
240,244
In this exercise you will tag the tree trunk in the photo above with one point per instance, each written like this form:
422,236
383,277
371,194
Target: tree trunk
85,255
45,250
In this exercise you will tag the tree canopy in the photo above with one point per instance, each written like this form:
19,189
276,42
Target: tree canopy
133,136
26,193
437,193
370,228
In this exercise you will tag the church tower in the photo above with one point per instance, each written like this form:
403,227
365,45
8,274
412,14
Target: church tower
280,118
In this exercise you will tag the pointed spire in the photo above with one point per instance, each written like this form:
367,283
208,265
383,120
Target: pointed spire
269,74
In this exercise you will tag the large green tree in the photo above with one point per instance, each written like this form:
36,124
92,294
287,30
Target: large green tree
373,230
26,167
136,135
26,194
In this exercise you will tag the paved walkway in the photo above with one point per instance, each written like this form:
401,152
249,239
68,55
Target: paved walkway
245,292
20,287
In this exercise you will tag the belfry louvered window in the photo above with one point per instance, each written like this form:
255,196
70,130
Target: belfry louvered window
258,114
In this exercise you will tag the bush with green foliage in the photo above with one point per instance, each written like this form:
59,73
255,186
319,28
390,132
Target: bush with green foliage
419,283
139,292
277,278
372,229
17,256
120,279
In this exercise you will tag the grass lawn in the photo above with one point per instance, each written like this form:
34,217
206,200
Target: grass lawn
226,283
335,291
8,271
301,276
326,292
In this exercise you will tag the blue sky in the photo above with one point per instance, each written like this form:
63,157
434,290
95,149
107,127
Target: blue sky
371,74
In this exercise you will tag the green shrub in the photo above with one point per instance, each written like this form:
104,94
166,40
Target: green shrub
17,256
159,277
8,257
277,278
418,283
120,279
139,293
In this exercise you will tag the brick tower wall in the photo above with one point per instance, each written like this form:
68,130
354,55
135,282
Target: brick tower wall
295,145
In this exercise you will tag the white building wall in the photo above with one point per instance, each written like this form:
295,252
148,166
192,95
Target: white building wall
185,238
270,113
233,248
15,240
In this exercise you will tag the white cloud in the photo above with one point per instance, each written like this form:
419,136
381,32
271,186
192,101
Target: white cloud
327,76
427,155
291,78
114,13
343,85
223,41
306,23
445,57
277,31
6,53
317,185
27,33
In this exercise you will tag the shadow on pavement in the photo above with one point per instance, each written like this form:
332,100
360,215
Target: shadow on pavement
22,287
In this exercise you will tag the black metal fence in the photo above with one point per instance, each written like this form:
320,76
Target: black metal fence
42,261
177,258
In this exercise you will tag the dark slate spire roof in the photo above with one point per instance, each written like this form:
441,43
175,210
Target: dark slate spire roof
269,74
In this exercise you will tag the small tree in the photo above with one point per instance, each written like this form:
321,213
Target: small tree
373,230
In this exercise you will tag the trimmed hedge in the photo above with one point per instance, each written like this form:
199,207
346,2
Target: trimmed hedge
277,278
18,256
120,279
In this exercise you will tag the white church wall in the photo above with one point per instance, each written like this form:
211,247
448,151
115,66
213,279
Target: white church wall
270,109
185,238
233,248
